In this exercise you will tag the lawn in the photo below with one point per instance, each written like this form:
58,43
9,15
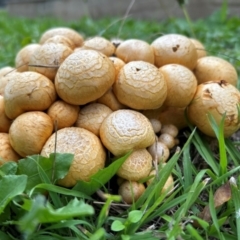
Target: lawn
205,202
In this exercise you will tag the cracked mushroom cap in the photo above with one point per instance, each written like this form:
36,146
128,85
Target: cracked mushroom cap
137,166
27,91
174,48
29,132
84,76
140,85
47,58
23,56
62,40
216,98
73,35
211,68
89,153
125,130
135,50
181,85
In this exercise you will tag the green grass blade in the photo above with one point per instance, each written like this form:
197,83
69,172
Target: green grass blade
193,232
187,167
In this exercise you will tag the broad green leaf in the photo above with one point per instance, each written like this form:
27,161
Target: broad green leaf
8,168
100,178
117,226
98,235
10,187
30,167
135,216
40,212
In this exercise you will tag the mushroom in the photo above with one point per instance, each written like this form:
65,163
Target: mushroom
181,85
211,68
167,139
156,124
23,56
140,85
137,166
73,35
7,153
125,130
170,129
29,132
5,122
5,71
174,48
63,114
47,58
62,40
159,151
84,77
118,64
91,117
89,154
27,91
100,44
5,79
201,51
217,98
131,191
135,50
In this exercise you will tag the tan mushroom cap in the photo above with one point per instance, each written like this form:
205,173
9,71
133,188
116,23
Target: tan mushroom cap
118,64
63,114
99,44
135,50
5,122
159,151
47,58
125,130
62,40
5,71
174,48
201,51
84,77
131,191
73,35
216,98
7,153
140,85
137,166
89,154
29,132
91,117
181,85
5,79
23,56
28,91
211,68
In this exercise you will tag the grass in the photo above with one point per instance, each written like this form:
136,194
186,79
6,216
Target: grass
203,205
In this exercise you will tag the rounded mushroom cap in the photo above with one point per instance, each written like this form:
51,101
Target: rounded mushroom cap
5,71
181,85
167,139
211,68
170,129
84,76
62,40
91,117
89,154
7,153
156,124
160,151
28,91
137,166
99,44
29,132
63,114
135,50
5,122
23,56
5,79
73,35
118,64
174,48
201,51
47,58
131,191
125,130
216,98
140,85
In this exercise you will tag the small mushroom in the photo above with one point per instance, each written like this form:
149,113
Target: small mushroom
159,151
140,85
29,132
137,166
170,129
174,48
91,117
131,191
167,139
89,154
156,124
84,77
135,50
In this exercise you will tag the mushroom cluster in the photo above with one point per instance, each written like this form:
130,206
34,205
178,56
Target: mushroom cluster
99,95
